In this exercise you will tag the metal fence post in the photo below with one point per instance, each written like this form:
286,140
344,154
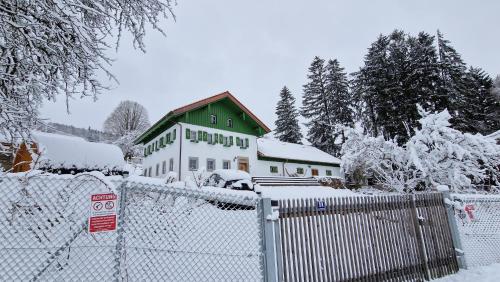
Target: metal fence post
455,235
270,269
122,191
277,241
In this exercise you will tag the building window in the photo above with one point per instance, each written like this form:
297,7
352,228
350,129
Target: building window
328,172
210,164
171,164
226,164
164,167
149,171
188,133
145,173
193,164
193,135
300,170
226,141
213,119
238,141
157,169
162,142
314,172
209,138
173,134
274,169
229,123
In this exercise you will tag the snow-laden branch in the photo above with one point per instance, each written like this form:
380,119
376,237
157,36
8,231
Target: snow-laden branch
50,48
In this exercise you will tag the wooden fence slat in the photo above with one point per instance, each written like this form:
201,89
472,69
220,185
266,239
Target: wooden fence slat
343,243
372,251
327,244
405,234
335,236
400,248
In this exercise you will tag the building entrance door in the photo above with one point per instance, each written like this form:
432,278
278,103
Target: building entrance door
243,164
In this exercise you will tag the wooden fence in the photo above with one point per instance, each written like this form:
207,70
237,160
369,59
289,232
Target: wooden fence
370,238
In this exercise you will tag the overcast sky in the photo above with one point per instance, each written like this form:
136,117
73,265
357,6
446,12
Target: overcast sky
253,48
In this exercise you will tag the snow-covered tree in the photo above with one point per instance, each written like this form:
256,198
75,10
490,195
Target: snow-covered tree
366,156
477,111
287,124
341,113
50,48
436,155
128,120
445,156
317,108
369,86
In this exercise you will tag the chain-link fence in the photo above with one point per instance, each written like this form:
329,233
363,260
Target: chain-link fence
478,222
164,233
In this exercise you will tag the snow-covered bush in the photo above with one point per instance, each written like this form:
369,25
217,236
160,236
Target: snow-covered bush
435,155
366,156
446,156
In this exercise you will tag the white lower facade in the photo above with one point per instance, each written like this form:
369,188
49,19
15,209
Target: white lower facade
287,168
185,157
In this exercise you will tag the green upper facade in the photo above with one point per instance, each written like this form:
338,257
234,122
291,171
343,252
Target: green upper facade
222,111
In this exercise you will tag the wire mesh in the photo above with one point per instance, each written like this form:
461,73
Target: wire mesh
478,222
163,233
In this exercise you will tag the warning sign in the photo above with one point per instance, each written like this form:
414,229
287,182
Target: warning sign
102,213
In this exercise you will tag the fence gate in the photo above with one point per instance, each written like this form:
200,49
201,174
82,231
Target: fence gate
365,238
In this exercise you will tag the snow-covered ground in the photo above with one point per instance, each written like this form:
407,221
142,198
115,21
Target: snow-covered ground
489,273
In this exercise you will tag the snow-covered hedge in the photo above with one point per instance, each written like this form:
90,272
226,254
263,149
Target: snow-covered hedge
436,155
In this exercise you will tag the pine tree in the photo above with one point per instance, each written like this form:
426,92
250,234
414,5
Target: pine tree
337,87
452,82
423,79
316,106
287,124
369,86
478,109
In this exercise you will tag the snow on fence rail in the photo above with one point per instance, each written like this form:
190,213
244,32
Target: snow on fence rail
478,222
163,233
365,238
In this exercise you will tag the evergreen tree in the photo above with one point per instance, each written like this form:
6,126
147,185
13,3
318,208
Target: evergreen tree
287,124
337,87
369,86
477,110
317,107
452,81
423,79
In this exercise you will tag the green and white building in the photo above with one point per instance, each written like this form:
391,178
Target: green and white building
220,132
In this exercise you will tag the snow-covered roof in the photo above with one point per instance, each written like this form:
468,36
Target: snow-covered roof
273,148
60,151
232,174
